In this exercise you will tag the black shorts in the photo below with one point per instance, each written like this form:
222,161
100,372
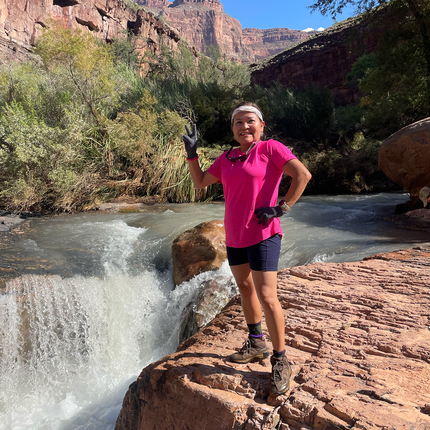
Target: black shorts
262,257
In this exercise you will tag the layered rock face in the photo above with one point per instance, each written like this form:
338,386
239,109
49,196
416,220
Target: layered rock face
21,22
358,340
214,4
204,24
265,43
325,60
405,157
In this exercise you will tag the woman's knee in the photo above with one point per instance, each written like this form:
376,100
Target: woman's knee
246,288
268,298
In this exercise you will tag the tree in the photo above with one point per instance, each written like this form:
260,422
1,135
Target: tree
85,62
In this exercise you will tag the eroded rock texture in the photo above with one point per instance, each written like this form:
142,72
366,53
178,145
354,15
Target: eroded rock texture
203,24
21,22
358,339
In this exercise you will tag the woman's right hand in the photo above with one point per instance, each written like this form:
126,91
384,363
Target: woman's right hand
190,140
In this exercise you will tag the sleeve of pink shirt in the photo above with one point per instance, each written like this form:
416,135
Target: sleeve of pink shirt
216,168
279,154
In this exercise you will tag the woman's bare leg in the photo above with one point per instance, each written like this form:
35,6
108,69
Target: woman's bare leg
250,302
266,288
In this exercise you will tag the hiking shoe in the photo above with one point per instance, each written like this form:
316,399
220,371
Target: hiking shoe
280,377
253,348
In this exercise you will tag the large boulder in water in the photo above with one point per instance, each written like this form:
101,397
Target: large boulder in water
405,158
197,250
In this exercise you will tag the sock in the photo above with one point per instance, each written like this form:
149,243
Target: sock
278,354
255,330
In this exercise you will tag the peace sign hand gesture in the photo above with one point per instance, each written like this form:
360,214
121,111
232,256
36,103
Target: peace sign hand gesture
190,140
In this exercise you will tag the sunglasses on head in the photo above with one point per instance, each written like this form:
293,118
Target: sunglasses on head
242,157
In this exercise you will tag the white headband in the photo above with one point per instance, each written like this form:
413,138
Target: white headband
246,109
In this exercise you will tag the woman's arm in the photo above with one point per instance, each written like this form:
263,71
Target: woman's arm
301,176
200,179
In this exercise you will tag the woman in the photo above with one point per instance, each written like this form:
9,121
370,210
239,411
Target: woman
250,176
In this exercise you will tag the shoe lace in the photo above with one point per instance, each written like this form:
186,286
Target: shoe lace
246,347
277,371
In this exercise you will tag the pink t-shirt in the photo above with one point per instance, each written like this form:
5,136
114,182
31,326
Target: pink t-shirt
249,185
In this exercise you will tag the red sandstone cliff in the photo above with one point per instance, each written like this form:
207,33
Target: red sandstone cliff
324,60
21,22
265,43
204,23
358,339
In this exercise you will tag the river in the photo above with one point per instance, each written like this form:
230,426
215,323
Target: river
95,302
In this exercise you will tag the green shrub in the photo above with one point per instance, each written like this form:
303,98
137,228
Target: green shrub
37,162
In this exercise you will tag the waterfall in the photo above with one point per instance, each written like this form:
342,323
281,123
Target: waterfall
69,347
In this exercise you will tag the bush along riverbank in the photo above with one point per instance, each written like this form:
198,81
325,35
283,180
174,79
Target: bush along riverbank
82,124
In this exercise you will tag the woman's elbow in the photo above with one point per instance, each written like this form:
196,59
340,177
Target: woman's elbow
304,176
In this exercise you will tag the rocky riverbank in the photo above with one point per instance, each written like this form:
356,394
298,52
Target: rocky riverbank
358,337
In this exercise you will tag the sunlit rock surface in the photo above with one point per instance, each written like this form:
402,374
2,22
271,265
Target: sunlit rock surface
267,42
213,296
22,22
405,157
358,339
197,250
204,24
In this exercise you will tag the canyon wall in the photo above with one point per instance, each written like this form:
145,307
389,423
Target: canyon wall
22,21
203,23
324,60
265,43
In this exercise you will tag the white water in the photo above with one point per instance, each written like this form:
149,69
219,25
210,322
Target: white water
70,344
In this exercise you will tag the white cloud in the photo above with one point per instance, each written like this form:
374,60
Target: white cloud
307,30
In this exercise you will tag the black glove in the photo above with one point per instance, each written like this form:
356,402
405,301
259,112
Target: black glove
264,214
190,140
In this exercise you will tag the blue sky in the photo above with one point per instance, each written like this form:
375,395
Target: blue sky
292,14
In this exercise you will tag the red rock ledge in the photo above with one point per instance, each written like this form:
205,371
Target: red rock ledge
358,339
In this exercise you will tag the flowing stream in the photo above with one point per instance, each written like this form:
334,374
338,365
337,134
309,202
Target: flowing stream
92,300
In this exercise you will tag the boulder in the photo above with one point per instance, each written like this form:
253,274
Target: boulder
418,219
198,250
213,296
405,158
357,337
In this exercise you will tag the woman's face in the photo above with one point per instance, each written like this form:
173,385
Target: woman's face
247,128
